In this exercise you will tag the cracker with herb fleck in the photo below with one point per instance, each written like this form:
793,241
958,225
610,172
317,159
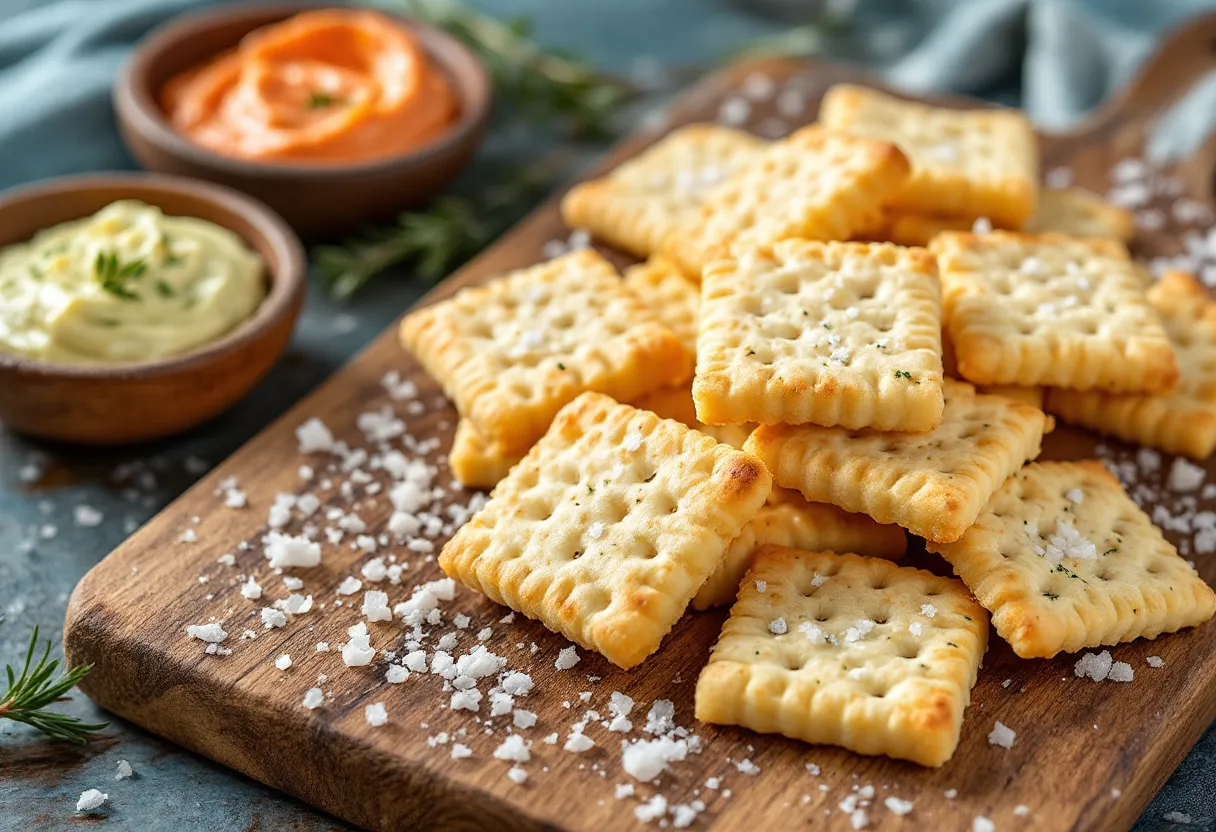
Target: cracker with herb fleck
638,203
827,333
790,520
848,651
933,484
1063,559
1182,421
1080,213
609,526
511,353
1051,310
816,184
965,163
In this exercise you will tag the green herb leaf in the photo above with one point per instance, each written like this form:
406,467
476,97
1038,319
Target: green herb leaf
319,99
431,241
113,275
34,689
164,289
541,85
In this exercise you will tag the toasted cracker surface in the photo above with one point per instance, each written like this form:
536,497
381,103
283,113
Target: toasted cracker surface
476,462
815,184
640,202
609,526
1079,213
511,353
827,333
933,484
675,299
1051,310
839,649
790,520
1063,559
1182,421
965,163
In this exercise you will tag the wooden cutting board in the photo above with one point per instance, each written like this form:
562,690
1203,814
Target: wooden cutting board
1087,755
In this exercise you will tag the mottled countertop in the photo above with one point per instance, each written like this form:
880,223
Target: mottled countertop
46,544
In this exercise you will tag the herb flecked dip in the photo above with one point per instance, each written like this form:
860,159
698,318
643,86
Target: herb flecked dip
127,284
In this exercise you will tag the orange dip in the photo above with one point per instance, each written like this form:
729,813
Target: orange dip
327,86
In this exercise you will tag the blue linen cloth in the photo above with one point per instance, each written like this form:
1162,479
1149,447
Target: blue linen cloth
1056,58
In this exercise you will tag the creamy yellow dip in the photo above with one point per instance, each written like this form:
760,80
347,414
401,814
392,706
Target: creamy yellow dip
124,285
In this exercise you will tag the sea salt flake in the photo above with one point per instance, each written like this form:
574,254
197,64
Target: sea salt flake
91,800
513,748
1155,661
567,658
517,775
375,714
777,626
212,633
1002,735
578,742
645,760
633,440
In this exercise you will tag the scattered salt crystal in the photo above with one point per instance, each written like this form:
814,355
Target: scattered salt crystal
777,626
951,794
567,658
272,618
1094,665
758,87
396,674
513,748
91,800
646,759
460,752
1121,672
578,742
314,436
188,536
283,662
982,824
1185,475
813,633
1074,495
295,604
928,610
292,583
633,440
1067,542
251,590
818,580
517,775
1155,661
734,112
620,704
375,714
284,550
1173,817
982,225
915,628
523,719
212,633
358,651
1002,735
467,700
124,770
375,606
661,718
747,767
761,587
87,516
1021,810
349,586
652,809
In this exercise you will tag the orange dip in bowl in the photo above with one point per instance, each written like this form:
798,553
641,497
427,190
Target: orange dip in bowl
327,86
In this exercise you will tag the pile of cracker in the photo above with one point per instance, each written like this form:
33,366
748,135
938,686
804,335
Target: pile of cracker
761,412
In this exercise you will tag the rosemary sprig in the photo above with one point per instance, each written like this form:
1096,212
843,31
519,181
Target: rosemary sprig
433,241
30,693
542,85
113,275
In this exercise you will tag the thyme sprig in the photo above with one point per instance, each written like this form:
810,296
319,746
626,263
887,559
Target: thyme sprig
34,689
541,85
432,241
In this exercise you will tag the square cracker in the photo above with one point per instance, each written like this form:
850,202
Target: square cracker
933,484
1182,421
511,353
477,462
609,525
830,333
1029,395
1081,214
838,649
1051,310
790,520
637,204
965,163
675,299
816,184
676,403
1024,559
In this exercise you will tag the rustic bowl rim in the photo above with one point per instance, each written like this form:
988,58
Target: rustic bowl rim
287,282
135,100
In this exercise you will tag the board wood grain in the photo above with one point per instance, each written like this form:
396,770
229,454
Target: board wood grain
1076,740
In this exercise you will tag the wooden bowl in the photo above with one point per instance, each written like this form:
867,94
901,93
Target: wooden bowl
316,198
110,404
